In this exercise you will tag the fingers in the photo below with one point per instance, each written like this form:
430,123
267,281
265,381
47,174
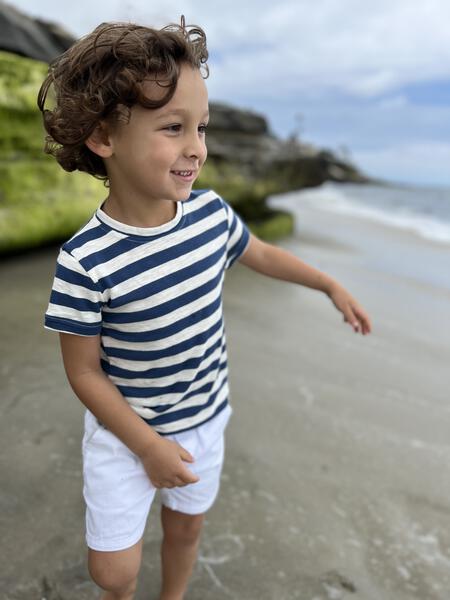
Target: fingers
185,455
177,482
363,319
353,313
358,319
350,317
189,477
183,478
185,474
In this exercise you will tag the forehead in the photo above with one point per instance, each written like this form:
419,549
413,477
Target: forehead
190,97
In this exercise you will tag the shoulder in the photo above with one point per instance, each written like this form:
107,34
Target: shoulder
88,231
204,195
85,250
205,200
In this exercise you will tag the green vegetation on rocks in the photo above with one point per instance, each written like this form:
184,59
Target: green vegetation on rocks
39,202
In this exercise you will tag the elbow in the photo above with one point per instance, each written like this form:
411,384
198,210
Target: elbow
79,378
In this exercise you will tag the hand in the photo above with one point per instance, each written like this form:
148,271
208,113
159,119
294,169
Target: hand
163,463
352,311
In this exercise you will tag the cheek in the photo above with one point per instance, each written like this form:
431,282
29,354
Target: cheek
162,151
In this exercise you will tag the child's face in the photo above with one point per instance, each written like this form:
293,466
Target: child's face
147,150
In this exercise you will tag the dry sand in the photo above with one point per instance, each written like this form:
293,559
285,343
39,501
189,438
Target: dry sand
336,479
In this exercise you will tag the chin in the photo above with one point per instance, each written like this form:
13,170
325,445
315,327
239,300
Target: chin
184,193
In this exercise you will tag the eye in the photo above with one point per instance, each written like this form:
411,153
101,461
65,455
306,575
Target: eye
203,128
175,128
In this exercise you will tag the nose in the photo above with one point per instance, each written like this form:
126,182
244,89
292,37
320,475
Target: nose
195,146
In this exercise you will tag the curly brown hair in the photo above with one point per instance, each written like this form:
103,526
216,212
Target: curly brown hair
99,78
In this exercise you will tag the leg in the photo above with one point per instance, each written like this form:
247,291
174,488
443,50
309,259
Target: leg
178,551
116,572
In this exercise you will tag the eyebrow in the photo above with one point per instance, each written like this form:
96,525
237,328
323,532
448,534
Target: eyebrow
179,111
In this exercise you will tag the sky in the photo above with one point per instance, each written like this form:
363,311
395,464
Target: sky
369,80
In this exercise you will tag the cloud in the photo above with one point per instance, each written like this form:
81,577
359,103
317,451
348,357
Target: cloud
363,49
393,102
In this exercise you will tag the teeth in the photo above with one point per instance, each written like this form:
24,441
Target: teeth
184,173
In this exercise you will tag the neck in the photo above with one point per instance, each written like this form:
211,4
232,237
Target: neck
153,214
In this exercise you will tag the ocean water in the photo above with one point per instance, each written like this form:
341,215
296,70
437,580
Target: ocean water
425,211
412,234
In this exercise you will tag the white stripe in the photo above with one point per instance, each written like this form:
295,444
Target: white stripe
98,244
204,198
235,236
147,249
166,342
62,330
168,361
77,291
168,380
168,268
170,318
65,312
168,293
198,400
70,262
89,225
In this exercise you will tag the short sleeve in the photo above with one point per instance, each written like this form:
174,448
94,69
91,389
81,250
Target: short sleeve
75,301
238,235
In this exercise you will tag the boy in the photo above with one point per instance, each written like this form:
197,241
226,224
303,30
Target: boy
136,297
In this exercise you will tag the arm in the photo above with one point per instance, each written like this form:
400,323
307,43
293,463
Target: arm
161,457
279,263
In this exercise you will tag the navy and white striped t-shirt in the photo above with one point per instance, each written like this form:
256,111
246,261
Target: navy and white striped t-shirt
155,296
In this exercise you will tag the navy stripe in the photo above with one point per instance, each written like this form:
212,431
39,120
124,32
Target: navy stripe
183,413
82,304
124,245
155,372
165,307
75,278
197,340
169,281
168,254
71,326
94,233
179,387
238,248
216,412
163,332
106,254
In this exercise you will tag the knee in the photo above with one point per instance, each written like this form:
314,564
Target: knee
184,532
120,580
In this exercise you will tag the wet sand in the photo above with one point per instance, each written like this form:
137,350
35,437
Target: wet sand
336,479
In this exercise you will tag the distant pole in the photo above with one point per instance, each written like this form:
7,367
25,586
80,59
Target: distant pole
299,120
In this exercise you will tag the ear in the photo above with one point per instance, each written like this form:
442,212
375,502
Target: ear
99,141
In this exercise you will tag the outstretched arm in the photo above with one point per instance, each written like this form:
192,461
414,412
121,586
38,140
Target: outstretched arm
279,263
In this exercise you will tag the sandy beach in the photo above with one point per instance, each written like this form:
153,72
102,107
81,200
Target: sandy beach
335,483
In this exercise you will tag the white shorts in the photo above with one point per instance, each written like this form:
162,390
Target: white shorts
118,492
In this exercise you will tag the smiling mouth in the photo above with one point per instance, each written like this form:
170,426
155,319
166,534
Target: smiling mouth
184,175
